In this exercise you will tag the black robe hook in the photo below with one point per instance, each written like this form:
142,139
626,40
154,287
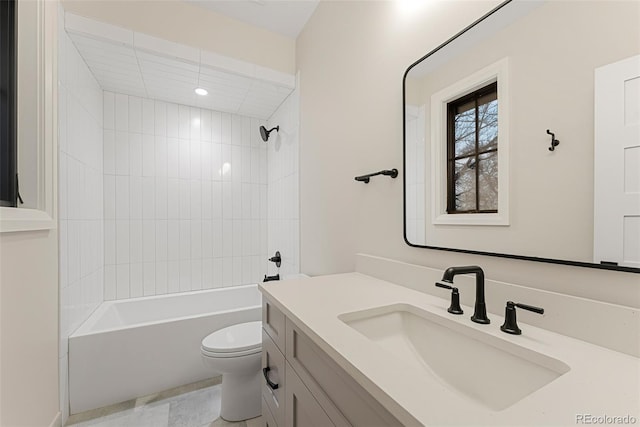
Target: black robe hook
554,141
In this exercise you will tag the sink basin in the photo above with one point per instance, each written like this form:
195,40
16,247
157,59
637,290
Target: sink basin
486,369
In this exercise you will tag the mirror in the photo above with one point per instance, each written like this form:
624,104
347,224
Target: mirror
551,62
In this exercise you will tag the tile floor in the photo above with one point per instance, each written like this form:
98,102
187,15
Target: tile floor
193,405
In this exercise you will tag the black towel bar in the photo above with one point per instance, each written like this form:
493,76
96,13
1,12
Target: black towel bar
393,173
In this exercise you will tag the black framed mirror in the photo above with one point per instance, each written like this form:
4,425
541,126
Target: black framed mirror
533,171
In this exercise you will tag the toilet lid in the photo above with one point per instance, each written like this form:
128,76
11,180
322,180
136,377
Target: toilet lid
234,339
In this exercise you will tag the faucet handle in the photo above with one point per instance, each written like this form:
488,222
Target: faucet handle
454,308
510,324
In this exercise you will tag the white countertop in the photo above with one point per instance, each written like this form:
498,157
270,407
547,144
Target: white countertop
600,382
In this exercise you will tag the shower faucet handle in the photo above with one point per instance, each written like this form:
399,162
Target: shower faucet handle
277,259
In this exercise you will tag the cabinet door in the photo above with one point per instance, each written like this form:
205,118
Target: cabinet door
273,321
267,417
273,389
301,409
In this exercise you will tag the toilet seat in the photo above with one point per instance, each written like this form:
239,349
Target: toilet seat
237,340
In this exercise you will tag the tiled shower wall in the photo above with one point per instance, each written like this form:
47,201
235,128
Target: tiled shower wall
283,188
185,198
79,197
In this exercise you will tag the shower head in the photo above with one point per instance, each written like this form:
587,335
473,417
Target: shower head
264,133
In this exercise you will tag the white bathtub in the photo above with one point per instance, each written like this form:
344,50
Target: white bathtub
132,348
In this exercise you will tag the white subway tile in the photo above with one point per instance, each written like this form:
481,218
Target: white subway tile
207,243
64,254
247,277
196,274
196,199
185,199
216,200
236,164
148,156
236,189
173,119
247,248
185,159
184,124
227,271
185,239
196,239
109,241
135,240
245,136
135,114
109,282
236,278
195,122
135,197
246,201
161,240
216,127
217,239
135,154
109,197
217,272
173,158
122,197
149,276
236,130
108,109
205,125
216,161
227,238
160,156
122,153
237,238
109,150
207,273
195,163
173,198
136,280
185,275
161,278
173,240
121,112
122,281
148,241
160,119
161,198
173,276
148,117
122,241
148,197
205,161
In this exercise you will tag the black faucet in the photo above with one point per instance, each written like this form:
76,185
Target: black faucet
480,309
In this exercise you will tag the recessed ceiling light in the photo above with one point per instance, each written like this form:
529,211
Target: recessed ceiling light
202,92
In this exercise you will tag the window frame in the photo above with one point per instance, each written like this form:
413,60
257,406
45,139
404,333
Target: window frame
495,72
36,113
8,105
451,149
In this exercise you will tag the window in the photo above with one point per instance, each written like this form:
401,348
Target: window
467,121
8,152
472,152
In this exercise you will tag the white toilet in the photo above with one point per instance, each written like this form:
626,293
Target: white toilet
235,352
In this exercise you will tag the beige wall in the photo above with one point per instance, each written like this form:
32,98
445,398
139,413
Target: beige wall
351,57
181,22
28,328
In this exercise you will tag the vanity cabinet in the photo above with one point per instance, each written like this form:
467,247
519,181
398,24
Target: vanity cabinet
312,390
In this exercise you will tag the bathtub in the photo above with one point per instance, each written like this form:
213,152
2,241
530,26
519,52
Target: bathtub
131,348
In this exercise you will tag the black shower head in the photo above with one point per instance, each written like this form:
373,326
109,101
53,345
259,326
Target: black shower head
264,133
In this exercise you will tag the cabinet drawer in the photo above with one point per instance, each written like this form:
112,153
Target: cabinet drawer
349,404
302,410
273,360
273,321
267,417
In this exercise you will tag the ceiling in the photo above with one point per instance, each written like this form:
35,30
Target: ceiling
137,64
286,17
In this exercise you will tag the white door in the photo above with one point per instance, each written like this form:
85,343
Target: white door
617,163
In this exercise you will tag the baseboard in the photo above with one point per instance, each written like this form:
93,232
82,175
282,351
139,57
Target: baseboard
57,420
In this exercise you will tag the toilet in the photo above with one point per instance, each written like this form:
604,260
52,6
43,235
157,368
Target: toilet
235,352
